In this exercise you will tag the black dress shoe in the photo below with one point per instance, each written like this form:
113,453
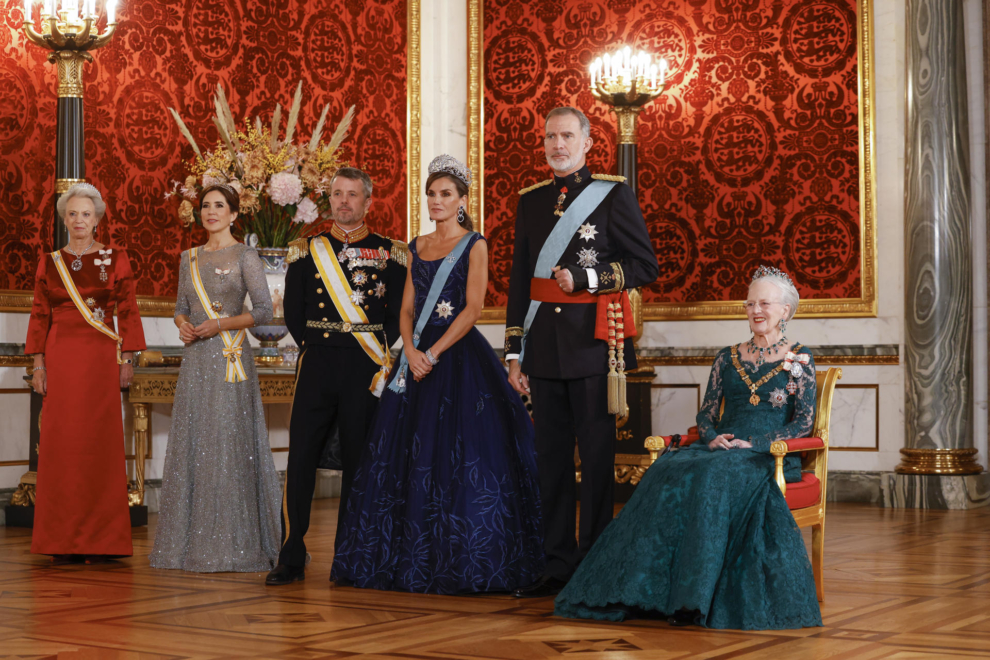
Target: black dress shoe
543,588
283,574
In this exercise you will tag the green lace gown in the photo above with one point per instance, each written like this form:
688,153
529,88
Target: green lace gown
708,533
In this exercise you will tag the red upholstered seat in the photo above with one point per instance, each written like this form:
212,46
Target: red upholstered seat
803,493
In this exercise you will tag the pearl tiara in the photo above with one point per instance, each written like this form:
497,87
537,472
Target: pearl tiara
770,271
450,165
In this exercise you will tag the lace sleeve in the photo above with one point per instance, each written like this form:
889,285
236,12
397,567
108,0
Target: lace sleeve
185,286
253,272
803,420
710,408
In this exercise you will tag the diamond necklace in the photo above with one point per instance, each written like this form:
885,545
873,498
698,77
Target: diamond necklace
77,264
775,347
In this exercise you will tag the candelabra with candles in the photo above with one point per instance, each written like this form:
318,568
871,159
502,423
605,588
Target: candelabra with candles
69,33
626,82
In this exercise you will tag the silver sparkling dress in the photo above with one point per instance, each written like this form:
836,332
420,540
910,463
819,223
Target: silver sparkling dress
220,492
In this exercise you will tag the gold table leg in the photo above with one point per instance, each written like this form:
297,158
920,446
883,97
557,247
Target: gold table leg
141,425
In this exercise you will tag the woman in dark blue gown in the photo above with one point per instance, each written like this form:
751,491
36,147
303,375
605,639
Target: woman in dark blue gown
446,497
707,538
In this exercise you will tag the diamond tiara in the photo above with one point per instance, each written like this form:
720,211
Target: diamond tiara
450,165
770,271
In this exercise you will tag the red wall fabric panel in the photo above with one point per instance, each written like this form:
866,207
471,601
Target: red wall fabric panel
173,53
751,157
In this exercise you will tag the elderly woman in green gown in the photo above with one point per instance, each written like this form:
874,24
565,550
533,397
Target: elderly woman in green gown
707,538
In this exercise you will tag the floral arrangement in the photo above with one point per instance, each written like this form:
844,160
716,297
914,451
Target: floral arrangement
283,186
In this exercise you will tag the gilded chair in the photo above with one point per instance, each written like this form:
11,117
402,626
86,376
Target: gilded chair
805,498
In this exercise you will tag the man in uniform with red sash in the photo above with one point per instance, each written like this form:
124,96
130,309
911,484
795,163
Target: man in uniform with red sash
580,243
343,295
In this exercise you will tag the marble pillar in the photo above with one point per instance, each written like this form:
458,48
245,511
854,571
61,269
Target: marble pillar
938,325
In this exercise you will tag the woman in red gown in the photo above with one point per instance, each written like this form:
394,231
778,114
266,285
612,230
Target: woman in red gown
81,509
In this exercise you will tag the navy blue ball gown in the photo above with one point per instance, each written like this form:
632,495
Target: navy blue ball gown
446,497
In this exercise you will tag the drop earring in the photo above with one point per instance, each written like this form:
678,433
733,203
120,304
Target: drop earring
460,215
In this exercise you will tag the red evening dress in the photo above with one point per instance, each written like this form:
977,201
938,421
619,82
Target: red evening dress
81,506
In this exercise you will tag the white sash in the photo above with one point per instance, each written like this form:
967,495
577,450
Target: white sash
232,343
340,292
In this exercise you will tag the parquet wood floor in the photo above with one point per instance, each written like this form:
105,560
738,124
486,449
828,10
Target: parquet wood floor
902,584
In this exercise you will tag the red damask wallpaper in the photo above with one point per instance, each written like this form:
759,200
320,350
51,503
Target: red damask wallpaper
750,157
172,53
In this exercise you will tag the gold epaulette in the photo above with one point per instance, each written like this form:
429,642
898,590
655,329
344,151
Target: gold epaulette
609,177
535,186
400,252
298,249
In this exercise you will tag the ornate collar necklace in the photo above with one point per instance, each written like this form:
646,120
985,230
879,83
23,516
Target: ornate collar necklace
754,398
352,236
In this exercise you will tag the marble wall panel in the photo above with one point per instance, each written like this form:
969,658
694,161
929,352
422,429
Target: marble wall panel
855,418
674,407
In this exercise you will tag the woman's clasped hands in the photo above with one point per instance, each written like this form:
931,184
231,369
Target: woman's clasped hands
728,441
419,364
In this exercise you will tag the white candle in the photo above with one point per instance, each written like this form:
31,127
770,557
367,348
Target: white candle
27,11
617,64
46,8
111,11
607,64
653,76
663,71
71,7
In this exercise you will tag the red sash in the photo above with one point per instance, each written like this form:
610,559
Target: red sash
548,291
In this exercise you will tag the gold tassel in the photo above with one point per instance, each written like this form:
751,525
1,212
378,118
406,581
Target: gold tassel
620,340
613,376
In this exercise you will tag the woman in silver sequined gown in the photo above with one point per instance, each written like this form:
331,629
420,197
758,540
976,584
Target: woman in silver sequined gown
220,493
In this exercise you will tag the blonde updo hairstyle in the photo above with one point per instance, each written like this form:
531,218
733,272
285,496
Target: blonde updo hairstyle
86,190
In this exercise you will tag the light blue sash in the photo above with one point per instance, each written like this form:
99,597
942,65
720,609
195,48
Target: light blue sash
560,237
398,384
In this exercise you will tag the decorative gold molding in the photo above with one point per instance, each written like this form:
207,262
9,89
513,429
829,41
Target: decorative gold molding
70,71
413,117
476,112
23,361
822,360
626,120
20,301
864,306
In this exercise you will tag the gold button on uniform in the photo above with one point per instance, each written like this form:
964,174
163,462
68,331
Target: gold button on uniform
556,309
326,335
322,306
366,306
324,319
319,290
317,276
374,277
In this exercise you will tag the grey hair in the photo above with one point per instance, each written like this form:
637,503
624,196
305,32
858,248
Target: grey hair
354,174
568,110
788,292
86,190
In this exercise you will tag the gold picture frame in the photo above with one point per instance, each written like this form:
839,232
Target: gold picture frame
861,307
164,306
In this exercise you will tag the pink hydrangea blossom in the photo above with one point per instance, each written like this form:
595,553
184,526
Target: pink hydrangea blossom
285,188
306,212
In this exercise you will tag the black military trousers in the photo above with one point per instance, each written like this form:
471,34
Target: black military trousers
331,388
563,410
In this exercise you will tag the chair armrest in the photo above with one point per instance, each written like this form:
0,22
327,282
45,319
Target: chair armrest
656,443
780,448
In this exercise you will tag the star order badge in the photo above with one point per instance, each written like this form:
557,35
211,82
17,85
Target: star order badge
444,309
359,278
99,314
380,290
587,258
358,297
778,397
587,232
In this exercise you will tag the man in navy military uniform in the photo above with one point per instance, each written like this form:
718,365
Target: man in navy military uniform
600,247
343,295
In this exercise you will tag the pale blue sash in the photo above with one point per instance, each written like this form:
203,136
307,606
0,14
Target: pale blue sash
560,237
398,383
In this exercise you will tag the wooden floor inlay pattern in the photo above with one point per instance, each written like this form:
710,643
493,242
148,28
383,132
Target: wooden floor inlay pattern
904,584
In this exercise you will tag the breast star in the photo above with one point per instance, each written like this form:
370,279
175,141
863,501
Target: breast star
444,309
587,232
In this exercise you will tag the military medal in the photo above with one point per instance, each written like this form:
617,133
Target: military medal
587,258
359,277
98,312
778,397
560,201
587,232
217,306
358,297
102,263
222,273
379,290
